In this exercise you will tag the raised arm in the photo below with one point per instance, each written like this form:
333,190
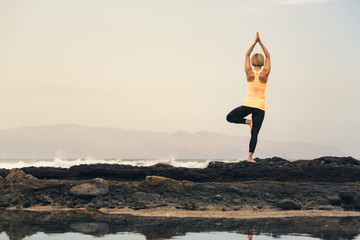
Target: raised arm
267,67
248,67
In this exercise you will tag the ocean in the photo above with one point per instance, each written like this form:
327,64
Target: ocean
67,163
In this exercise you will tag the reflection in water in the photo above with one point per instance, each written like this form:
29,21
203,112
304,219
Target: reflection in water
236,236
137,236
80,236
17,225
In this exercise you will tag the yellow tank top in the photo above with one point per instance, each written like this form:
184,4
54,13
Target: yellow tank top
255,96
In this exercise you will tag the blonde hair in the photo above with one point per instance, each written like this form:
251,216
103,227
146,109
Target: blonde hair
257,60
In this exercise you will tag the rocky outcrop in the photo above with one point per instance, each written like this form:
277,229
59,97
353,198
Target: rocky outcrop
6,200
15,174
157,191
350,199
288,204
162,182
19,175
22,190
96,187
4,172
30,177
324,169
334,200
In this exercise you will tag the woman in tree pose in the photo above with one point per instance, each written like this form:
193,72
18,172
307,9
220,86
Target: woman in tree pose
254,103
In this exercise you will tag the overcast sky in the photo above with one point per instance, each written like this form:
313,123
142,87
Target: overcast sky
170,65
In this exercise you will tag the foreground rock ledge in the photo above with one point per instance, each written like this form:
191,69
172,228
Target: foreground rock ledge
25,191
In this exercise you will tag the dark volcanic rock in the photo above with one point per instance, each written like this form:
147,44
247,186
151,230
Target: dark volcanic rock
347,197
356,202
49,185
234,190
26,204
4,172
219,197
334,200
160,192
163,165
189,206
107,171
288,204
4,204
270,183
47,172
324,169
5,200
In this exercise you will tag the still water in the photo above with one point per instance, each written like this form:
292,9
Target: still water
188,236
21,225
136,236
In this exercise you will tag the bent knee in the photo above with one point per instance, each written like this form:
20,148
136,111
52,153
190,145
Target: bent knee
229,118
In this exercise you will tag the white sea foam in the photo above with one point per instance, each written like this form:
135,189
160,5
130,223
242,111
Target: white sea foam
67,163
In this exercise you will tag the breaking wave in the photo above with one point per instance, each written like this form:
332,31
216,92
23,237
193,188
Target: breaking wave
67,163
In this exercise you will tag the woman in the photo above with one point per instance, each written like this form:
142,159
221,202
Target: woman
254,102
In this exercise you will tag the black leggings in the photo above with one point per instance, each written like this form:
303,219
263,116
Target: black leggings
238,116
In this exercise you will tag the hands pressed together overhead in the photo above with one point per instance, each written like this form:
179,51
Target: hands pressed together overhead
257,38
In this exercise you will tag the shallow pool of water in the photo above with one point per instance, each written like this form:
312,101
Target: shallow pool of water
18,225
137,236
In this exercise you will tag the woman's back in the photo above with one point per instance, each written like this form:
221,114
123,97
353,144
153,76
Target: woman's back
255,96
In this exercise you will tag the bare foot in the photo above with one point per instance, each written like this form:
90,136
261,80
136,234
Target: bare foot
250,158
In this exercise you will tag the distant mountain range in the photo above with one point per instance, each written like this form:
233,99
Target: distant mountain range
73,141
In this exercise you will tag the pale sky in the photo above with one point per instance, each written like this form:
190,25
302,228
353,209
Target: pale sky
171,65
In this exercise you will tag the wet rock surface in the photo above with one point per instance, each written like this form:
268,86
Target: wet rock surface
20,224
81,187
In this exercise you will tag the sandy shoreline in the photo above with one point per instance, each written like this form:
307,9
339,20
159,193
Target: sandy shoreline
232,214
181,213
